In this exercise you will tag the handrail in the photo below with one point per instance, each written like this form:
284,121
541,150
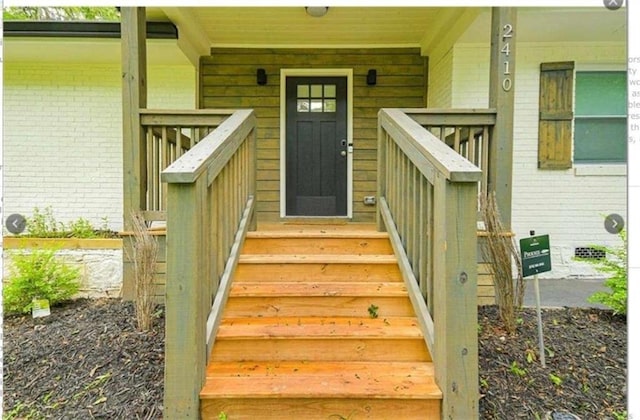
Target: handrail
210,207
428,202
467,131
169,134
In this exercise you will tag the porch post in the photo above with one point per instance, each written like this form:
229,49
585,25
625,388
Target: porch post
501,97
134,97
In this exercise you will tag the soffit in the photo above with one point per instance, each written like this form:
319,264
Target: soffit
86,50
594,24
291,26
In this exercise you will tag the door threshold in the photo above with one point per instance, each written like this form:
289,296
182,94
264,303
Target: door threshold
320,220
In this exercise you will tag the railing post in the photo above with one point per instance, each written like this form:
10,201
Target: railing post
382,173
455,313
134,97
186,303
253,167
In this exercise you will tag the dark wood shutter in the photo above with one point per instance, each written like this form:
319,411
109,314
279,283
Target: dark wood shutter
556,115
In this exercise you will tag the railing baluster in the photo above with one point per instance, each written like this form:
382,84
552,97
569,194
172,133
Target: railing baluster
486,139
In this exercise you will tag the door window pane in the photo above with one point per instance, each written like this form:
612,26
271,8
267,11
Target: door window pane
316,105
329,91
303,105
329,105
303,91
316,91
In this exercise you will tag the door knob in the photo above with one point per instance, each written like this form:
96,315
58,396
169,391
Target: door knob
343,153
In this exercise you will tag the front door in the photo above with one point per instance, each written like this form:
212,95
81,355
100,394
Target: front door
316,146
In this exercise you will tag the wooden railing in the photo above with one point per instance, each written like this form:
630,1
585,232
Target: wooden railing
168,135
467,131
428,203
210,207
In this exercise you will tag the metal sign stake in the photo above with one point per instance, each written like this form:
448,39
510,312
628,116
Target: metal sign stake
539,312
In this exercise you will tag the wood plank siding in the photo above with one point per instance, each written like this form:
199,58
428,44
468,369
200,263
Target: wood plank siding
228,80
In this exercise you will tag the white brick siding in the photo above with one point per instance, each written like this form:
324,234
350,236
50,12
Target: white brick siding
63,135
568,207
440,74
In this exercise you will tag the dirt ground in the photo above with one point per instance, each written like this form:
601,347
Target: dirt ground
87,360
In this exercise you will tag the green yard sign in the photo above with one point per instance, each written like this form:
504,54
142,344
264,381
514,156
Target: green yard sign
536,256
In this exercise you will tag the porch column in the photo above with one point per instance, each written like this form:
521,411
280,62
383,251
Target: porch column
501,97
134,97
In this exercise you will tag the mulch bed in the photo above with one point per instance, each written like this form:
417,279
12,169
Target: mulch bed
585,372
87,360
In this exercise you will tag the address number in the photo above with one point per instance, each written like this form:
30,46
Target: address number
507,33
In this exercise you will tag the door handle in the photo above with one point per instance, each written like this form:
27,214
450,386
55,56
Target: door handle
343,153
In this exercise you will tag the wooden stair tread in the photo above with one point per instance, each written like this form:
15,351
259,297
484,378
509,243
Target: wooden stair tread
320,379
318,272
324,289
291,245
304,328
316,259
318,233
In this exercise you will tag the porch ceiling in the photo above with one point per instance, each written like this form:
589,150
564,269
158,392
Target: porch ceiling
429,28
291,26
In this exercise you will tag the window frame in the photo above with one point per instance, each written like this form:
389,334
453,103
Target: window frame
595,167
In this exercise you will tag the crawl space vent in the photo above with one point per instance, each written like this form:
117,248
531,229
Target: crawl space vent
589,253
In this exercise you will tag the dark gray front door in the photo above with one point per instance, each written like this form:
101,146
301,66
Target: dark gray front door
316,146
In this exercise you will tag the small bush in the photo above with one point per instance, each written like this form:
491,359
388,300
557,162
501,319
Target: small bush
82,228
43,224
39,275
614,265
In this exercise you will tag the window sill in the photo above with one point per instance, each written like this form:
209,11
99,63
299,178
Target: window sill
611,169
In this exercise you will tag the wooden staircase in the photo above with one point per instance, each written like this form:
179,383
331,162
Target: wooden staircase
319,325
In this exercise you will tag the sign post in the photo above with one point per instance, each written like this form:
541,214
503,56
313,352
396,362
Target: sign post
536,258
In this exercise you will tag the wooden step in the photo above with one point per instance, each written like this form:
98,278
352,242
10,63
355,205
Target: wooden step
318,289
317,245
312,390
317,338
408,380
318,272
318,327
264,299
316,259
350,306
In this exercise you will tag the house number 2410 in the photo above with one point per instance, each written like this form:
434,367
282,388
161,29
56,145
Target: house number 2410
507,34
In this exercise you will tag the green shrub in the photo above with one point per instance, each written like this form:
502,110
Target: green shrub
615,265
82,228
39,274
42,224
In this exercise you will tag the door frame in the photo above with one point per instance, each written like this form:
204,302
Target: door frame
284,73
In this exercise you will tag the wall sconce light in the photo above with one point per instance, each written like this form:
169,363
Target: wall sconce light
372,76
317,11
261,77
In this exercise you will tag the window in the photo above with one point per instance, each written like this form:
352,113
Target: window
592,131
600,123
316,98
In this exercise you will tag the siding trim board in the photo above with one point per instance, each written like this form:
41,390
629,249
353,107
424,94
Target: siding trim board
228,80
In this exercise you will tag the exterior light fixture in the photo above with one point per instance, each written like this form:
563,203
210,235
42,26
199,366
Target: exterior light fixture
316,11
372,76
261,77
